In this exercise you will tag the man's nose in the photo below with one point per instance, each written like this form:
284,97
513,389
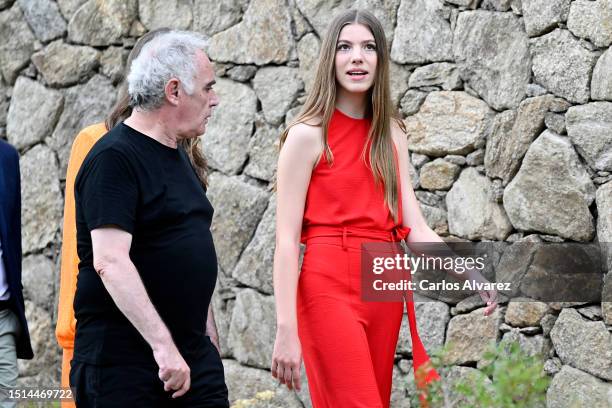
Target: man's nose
214,101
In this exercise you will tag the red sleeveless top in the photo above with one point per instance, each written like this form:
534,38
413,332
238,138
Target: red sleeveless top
345,194
343,198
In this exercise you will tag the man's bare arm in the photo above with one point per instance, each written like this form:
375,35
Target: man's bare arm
111,252
211,328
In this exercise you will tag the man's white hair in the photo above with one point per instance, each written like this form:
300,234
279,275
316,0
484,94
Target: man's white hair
168,55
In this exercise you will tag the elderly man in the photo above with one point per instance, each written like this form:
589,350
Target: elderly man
148,264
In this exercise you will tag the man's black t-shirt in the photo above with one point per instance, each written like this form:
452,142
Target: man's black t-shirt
150,190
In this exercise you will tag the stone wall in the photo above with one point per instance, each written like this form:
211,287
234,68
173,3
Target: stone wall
508,104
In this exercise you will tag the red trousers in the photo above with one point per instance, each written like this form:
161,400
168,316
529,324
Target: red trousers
348,345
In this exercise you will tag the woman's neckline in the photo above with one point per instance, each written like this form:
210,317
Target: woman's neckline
346,115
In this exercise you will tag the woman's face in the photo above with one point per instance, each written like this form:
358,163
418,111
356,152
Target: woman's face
356,58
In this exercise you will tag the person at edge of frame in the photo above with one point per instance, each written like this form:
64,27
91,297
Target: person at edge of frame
343,180
148,265
82,144
14,334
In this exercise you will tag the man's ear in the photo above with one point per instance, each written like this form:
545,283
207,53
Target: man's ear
172,91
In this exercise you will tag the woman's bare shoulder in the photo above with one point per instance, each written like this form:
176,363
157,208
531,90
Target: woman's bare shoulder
308,132
304,141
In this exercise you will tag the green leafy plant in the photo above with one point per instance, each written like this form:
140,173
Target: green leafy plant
510,378
39,404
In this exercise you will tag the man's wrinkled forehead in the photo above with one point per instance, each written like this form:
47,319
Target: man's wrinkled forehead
205,66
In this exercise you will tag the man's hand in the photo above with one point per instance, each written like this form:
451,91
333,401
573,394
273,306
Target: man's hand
215,342
211,328
173,370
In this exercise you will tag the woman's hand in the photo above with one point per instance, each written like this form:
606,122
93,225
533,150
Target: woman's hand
287,358
490,298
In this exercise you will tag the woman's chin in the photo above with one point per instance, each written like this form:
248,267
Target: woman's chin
357,88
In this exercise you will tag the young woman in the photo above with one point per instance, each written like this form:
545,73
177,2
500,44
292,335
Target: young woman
342,181
84,141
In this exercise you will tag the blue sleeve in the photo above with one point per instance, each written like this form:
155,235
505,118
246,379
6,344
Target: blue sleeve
17,213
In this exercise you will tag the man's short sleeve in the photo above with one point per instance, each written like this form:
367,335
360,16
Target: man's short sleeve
107,191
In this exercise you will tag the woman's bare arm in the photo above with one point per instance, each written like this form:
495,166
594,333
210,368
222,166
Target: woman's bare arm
296,161
412,217
411,211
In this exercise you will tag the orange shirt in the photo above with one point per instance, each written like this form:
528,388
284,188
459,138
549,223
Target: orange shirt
66,322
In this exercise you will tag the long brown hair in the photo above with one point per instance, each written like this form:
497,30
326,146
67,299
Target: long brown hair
122,110
321,102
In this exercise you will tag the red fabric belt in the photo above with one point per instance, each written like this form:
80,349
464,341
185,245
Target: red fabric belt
397,234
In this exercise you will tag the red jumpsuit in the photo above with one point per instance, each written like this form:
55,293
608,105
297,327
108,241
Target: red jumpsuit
348,345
